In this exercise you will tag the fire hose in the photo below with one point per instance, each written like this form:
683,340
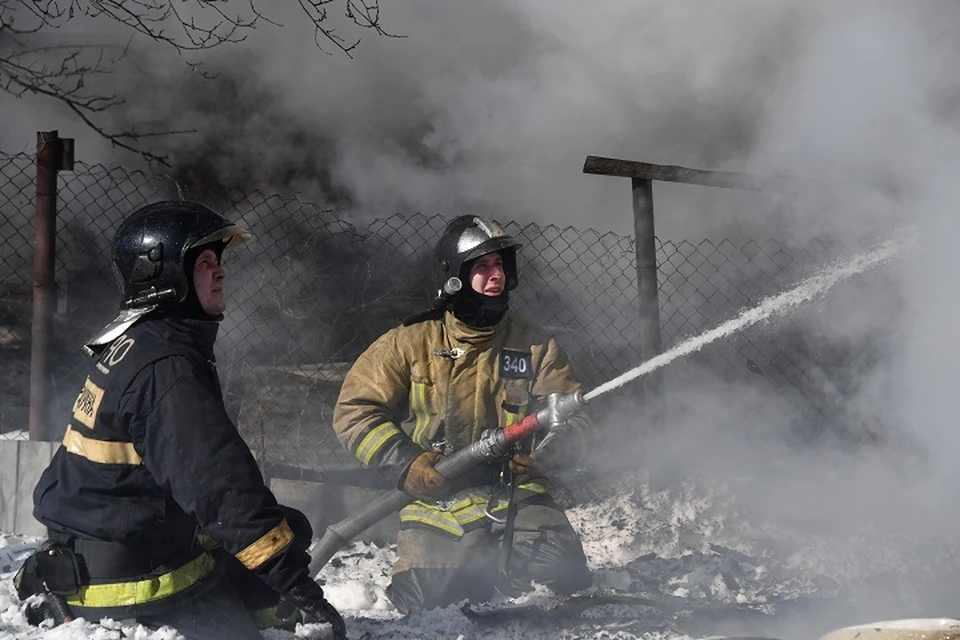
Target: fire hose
492,445
496,444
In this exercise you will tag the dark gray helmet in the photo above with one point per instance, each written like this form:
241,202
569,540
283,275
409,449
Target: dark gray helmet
148,257
468,237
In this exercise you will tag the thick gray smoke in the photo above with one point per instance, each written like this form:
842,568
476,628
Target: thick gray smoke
493,106
489,106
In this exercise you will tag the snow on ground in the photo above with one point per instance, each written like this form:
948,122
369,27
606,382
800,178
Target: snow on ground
687,549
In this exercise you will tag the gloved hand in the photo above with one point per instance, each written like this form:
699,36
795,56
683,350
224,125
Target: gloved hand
562,448
422,480
308,596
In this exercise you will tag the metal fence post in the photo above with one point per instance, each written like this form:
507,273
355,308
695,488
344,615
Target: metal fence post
642,175
648,296
53,154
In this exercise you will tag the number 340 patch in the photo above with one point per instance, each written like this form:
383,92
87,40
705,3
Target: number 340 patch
515,364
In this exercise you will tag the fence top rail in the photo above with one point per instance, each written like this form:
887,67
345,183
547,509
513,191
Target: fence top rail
671,173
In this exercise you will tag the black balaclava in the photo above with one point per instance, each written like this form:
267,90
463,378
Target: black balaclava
191,307
475,309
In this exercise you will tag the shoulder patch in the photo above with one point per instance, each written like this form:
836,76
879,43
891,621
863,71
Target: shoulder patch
515,364
87,404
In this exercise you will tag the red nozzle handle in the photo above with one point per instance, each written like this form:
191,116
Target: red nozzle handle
520,430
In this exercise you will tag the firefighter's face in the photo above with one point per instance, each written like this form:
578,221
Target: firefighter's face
487,276
208,277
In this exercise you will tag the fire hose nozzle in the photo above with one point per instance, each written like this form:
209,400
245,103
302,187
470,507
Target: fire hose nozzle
559,407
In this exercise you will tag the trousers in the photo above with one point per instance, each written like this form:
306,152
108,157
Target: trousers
434,570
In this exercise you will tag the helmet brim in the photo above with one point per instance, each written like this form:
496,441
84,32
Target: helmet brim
490,246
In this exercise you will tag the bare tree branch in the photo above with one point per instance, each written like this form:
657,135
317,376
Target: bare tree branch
34,59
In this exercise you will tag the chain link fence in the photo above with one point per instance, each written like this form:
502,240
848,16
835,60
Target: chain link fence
312,290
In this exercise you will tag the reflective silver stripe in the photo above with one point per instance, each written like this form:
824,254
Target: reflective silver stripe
532,487
375,440
431,516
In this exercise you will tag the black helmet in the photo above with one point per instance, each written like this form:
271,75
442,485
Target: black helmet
148,257
467,238
150,246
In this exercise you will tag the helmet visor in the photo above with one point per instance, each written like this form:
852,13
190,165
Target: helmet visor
233,235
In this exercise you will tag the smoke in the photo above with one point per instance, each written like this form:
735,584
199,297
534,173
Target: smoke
492,107
488,107
865,112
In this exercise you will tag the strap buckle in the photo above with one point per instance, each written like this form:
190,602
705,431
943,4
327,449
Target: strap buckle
505,482
452,354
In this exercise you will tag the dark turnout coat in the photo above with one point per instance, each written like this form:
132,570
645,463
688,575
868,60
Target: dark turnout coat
150,464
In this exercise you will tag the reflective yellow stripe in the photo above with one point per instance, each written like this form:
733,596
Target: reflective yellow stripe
122,594
510,417
532,486
100,451
476,512
87,404
451,520
432,517
418,406
267,546
469,506
374,441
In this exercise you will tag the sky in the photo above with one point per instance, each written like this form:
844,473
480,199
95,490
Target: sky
492,107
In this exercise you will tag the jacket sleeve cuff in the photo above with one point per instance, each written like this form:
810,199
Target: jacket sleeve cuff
397,459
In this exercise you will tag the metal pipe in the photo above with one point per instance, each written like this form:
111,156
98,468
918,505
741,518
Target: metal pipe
44,285
648,297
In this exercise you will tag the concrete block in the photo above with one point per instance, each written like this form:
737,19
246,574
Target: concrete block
9,450
33,458
21,463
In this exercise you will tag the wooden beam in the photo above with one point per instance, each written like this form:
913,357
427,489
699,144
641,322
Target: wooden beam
670,173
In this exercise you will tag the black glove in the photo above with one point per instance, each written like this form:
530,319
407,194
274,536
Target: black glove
307,596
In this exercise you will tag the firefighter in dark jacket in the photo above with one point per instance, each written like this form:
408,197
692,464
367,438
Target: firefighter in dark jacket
155,507
433,386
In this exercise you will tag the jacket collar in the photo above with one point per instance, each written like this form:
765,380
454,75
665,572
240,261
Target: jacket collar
200,333
459,331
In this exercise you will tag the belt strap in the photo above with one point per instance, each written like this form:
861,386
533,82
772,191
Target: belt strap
138,592
111,560
116,560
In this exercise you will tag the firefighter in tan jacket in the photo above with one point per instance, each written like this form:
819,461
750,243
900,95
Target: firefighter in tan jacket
431,387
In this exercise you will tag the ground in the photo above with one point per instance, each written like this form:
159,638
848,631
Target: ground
674,563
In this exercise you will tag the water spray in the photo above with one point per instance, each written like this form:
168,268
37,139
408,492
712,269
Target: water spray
496,444
802,293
